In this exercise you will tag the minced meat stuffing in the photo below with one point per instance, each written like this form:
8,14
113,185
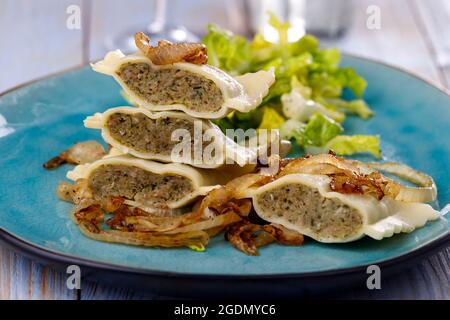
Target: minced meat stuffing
305,206
172,86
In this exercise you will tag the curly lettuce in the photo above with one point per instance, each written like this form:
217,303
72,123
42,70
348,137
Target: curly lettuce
227,51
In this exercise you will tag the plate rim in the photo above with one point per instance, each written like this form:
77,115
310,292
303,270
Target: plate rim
35,250
31,249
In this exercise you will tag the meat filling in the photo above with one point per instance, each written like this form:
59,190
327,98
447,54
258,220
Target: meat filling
143,134
134,183
306,207
172,86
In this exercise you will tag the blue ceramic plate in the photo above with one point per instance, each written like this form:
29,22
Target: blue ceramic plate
41,119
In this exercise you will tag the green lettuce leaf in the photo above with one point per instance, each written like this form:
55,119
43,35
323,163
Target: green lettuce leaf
358,107
319,130
227,51
298,86
297,105
350,145
271,119
225,123
326,60
292,129
324,84
307,43
280,87
350,79
281,27
262,51
199,248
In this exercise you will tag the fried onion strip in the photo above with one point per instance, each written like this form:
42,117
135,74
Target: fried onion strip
426,190
248,237
80,153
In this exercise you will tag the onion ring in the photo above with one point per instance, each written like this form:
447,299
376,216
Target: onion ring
146,239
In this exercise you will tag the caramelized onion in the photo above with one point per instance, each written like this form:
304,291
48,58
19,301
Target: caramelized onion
167,53
64,191
90,215
218,221
75,193
351,176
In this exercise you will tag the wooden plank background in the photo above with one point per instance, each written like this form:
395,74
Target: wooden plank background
414,35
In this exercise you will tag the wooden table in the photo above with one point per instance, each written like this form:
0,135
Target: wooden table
414,35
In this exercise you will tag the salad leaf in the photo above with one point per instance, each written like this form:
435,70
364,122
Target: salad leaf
358,107
307,43
326,60
319,130
282,29
324,84
277,89
350,79
271,119
296,85
292,129
348,145
296,106
225,123
262,50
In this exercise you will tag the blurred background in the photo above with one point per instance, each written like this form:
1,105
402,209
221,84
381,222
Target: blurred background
39,37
